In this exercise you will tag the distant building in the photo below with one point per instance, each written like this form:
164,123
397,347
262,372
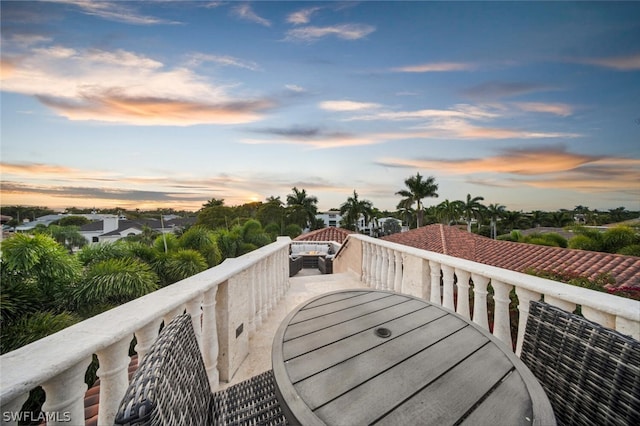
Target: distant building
113,228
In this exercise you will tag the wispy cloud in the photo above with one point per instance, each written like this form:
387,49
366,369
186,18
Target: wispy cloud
544,167
302,16
619,63
347,105
126,87
310,137
436,67
560,109
245,12
504,89
196,59
342,31
115,11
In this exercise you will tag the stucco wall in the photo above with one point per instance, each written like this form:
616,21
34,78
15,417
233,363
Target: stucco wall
349,259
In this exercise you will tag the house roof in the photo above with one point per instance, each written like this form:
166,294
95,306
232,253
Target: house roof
521,256
326,234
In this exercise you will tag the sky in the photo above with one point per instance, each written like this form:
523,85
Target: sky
163,104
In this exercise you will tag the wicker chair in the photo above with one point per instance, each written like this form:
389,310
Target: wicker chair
591,374
170,387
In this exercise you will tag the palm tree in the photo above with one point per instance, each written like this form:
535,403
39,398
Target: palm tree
560,219
449,211
472,208
304,207
353,208
496,211
512,219
417,189
115,281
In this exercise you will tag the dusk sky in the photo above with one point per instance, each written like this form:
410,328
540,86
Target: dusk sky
166,104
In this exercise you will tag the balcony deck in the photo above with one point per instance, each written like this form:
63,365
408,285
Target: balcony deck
304,285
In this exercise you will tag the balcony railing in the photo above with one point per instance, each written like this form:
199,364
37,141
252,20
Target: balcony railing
229,302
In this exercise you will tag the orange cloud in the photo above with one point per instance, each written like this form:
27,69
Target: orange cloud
124,87
519,162
563,110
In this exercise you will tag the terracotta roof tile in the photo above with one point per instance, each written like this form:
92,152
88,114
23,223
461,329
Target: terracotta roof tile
325,234
520,256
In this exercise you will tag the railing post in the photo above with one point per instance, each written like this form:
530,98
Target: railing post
501,319
13,408
391,269
384,268
210,337
559,303
602,318
194,308
397,282
114,379
480,300
366,263
628,327
253,300
378,258
65,395
462,307
524,297
435,296
145,338
255,272
447,280
372,265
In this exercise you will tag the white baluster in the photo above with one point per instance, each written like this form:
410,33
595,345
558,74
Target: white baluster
65,395
397,282
559,303
145,338
366,262
447,280
378,267
435,296
210,337
384,267
480,300
604,319
524,297
501,319
373,265
114,379
628,327
391,269
253,300
12,409
172,314
462,307
194,308
259,295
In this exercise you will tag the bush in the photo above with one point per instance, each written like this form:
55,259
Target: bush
34,327
632,250
615,239
116,281
583,242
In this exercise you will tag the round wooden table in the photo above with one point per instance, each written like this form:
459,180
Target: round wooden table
359,357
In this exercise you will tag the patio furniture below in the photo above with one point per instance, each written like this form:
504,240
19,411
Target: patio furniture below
325,264
170,387
295,265
591,374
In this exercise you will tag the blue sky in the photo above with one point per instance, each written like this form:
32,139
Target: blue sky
152,104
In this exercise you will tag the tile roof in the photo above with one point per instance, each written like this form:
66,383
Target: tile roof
520,256
326,234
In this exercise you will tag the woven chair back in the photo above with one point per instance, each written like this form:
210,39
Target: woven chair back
591,374
170,386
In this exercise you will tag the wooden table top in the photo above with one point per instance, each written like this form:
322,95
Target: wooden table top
364,356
